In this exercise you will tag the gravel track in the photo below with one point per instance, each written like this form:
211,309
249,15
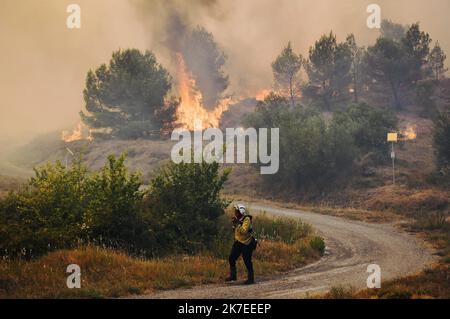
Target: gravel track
351,247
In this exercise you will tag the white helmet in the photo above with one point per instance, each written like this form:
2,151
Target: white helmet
241,208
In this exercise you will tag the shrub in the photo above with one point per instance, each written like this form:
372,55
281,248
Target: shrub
368,126
113,208
184,203
63,206
312,151
48,214
317,243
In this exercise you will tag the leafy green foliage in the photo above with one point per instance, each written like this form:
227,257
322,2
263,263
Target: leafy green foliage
185,203
311,150
47,214
113,207
315,152
369,126
128,96
63,207
318,244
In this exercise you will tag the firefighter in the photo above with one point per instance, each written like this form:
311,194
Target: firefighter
244,243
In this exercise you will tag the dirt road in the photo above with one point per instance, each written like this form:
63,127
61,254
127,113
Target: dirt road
351,247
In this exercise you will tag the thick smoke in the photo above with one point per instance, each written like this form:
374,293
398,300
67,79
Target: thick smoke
43,64
203,57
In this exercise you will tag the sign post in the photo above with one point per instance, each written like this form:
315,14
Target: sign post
393,138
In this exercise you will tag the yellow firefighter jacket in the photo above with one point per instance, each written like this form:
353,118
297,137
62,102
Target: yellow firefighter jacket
242,230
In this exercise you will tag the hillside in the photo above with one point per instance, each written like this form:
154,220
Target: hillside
415,161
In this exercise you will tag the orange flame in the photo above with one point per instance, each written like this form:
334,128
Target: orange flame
191,110
409,133
77,134
261,95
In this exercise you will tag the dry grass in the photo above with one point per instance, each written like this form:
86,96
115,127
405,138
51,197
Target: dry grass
407,201
283,245
107,273
432,283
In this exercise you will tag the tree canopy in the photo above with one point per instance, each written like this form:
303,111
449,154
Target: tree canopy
128,95
285,70
328,68
437,59
400,64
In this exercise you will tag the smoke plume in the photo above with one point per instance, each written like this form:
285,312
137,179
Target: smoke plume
43,64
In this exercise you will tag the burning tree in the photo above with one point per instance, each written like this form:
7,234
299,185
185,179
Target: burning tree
205,60
200,78
127,97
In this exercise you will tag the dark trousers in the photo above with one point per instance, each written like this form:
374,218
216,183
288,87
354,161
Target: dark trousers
246,251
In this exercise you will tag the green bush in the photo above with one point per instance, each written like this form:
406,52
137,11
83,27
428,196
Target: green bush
64,207
317,243
185,205
312,150
47,215
369,126
113,207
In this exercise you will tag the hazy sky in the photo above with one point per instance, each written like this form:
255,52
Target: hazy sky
43,64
